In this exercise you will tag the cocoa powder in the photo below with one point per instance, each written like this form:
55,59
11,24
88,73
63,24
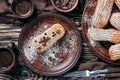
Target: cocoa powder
22,7
6,58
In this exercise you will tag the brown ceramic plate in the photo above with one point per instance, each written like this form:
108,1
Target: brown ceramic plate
99,48
59,58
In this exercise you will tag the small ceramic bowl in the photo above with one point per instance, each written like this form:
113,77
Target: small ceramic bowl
65,5
7,59
22,8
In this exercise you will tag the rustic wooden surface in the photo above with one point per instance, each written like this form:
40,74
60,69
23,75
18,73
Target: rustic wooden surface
10,33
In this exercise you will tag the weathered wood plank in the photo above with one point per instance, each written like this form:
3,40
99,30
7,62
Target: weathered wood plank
12,31
5,43
9,33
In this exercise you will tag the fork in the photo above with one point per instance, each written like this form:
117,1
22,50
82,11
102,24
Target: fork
114,72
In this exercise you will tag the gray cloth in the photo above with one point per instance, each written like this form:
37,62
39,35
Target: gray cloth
7,16
96,64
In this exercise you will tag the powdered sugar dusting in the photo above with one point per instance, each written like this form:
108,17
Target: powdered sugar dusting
56,49
30,53
50,53
91,4
88,20
56,53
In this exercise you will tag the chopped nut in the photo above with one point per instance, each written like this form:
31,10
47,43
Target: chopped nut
47,39
44,44
58,31
42,40
67,45
38,50
59,55
51,59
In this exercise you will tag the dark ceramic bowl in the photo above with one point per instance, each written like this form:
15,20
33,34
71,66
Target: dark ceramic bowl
22,8
65,5
101,49
7,59
59,58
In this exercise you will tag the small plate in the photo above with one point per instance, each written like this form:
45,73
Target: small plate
99,48
59,58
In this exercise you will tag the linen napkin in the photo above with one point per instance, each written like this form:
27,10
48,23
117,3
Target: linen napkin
96,64
6,15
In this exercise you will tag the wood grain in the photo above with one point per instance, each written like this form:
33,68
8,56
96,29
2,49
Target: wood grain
10,33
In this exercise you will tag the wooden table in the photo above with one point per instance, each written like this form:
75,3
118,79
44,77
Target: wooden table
10,33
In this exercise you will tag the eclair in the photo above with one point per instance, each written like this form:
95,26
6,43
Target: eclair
45,40
102,13
115,20
111,35
117,2
114,52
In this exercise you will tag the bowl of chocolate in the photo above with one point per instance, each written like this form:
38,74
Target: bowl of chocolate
22,8
65,5
7,59
41,32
